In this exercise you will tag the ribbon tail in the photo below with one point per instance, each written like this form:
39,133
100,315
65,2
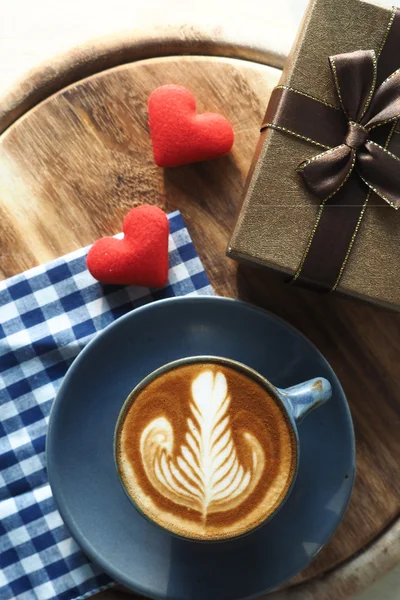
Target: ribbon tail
380,170
327,172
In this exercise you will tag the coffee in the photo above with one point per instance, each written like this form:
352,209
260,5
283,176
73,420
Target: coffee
205,451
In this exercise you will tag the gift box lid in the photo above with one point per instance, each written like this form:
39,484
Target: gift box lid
278,212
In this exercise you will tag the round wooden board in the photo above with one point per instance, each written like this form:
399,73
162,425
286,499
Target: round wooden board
72,167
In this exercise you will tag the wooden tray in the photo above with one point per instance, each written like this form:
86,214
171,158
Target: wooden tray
74,164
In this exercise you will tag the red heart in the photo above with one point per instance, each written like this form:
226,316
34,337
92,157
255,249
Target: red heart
141,257
179,135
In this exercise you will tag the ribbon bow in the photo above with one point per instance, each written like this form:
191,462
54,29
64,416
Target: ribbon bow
365,108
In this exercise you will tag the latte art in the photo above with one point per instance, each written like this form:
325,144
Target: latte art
206,474
205,451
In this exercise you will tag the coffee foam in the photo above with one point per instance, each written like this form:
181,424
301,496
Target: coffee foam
206,452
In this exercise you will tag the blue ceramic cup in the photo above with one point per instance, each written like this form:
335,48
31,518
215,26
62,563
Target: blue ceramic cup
296,402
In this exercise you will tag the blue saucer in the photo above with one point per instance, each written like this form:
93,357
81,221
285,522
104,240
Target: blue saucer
90,497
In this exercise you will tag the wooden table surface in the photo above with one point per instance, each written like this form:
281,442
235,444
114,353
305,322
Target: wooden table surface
73,166
40,33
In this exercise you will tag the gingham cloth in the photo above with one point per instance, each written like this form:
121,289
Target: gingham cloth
47,315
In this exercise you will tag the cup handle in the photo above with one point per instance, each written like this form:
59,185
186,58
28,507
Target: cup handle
304,397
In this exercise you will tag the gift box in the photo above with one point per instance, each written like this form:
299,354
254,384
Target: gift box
321,196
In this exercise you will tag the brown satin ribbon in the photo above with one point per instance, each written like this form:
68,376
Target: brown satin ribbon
357,160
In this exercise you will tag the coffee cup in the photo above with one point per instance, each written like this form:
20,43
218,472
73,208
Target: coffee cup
208,449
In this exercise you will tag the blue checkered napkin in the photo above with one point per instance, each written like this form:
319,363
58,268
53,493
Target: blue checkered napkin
47,315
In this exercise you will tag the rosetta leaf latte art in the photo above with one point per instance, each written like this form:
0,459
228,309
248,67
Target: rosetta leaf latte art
205,473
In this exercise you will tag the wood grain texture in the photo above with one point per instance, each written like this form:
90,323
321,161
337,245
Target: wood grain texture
261,44
71,169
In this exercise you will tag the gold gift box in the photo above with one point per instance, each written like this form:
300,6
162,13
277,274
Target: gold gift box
278,212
